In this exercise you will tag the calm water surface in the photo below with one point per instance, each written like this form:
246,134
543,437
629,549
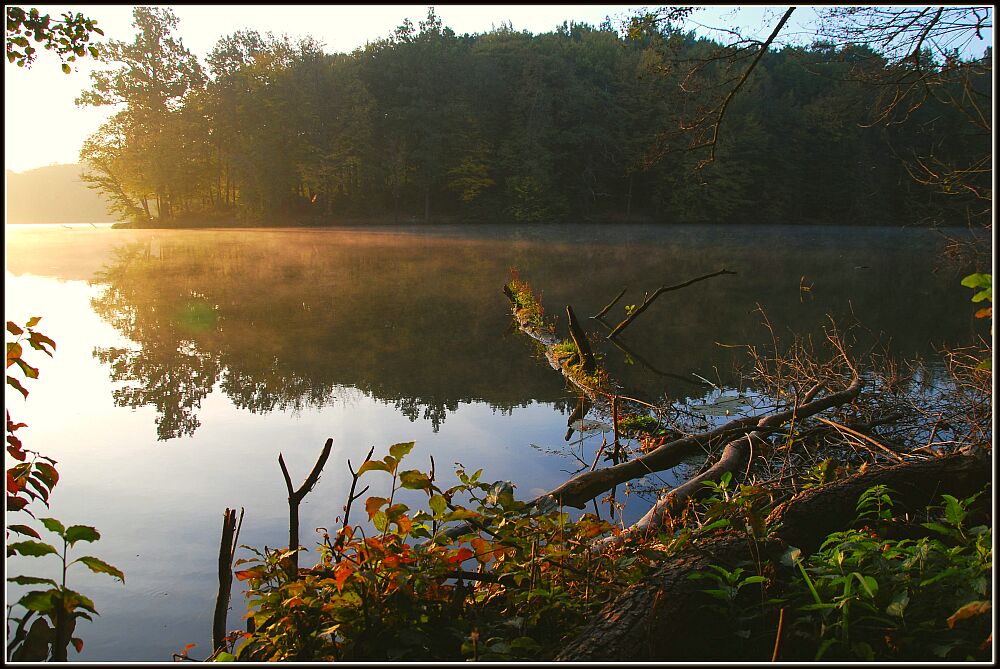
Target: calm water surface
188,360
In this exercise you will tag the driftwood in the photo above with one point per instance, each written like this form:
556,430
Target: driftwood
582,488
657,620
734,458
295,498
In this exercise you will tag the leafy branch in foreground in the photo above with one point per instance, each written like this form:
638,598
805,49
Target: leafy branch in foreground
69,37
55,610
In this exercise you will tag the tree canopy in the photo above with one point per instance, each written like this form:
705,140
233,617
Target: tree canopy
579,123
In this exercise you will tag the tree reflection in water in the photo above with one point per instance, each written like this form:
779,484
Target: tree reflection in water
282,320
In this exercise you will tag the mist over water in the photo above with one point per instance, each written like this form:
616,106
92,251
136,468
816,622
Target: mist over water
187,360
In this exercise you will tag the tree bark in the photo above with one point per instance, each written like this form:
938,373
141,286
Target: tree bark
657,619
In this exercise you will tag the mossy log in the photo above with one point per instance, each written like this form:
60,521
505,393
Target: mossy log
657,619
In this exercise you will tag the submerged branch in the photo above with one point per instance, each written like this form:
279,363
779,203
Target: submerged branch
662,289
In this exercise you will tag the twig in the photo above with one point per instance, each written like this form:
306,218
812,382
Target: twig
896,456
656,293
347,508
777,637
610,304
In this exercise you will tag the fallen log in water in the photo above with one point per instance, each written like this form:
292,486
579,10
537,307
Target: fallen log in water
737,434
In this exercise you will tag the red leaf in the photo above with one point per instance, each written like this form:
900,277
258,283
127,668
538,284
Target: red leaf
24,529
244,574
16,503
78,644
461,555
187,648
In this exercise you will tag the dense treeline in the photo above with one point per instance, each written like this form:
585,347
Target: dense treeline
580,123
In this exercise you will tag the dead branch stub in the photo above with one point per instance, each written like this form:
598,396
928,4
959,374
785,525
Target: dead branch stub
295,498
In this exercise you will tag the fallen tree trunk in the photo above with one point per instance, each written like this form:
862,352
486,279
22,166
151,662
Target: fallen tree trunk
657,619
582,488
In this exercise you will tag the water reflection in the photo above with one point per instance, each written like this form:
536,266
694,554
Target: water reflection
280,320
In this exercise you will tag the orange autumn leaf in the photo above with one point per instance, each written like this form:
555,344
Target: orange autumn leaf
373,504
340,575
244,574
968,611
484,551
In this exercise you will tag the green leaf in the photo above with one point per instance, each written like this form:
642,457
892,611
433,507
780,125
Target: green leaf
414,480
398,451
437,503
223,656
32,580
101,567
16,385
380,521
47,473
983,281
978,280
32,548
42,601
898,604
374,465
72,599
460,514
53,525
76,533
26,369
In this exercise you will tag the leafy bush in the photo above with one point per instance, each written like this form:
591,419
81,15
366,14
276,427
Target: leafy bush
865,596
408,591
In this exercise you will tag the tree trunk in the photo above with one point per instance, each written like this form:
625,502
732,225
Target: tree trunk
657,619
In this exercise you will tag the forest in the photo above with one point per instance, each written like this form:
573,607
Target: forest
582,123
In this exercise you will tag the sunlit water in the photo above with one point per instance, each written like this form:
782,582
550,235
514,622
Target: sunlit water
188,360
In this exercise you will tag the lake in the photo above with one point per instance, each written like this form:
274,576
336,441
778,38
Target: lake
188,360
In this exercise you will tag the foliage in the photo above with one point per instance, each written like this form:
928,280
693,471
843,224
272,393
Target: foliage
634,424
983,285
743,508
33,477
576,123
867,596
68,37
55,610
527,307
404,590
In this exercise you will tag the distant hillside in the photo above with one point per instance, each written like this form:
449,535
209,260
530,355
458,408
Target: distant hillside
53,194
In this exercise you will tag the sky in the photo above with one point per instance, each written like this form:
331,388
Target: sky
43,126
